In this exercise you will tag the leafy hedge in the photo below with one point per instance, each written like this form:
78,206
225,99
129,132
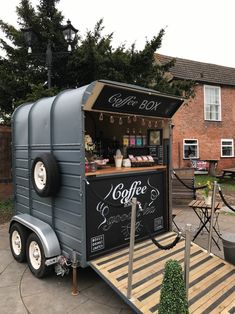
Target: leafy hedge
173,298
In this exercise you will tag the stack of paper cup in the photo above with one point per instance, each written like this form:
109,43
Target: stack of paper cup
118,159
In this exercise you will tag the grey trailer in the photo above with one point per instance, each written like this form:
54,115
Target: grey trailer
64,213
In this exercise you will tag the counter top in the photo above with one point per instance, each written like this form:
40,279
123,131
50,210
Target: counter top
114,170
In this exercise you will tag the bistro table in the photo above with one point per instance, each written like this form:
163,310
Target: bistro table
203,212
230,172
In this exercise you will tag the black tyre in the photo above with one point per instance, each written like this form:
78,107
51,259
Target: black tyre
18,238
36,257
45,175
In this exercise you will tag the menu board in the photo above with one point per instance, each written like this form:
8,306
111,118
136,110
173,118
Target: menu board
108,209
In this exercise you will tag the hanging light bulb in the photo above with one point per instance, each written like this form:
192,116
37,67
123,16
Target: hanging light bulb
134,118
128,119
120,122
155,124
101,117
133,131
111,119
149,124
143,122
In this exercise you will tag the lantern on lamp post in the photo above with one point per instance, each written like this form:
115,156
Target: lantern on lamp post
69,33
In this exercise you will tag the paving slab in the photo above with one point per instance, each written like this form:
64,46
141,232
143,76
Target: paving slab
11,301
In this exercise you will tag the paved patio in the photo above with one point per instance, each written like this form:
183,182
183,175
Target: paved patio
22,293
226,220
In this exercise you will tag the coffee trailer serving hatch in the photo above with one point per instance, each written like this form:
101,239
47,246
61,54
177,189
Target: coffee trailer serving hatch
62,212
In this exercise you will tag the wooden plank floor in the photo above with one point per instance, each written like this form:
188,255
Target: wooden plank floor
212,280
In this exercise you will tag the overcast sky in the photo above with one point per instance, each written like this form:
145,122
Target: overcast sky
201,30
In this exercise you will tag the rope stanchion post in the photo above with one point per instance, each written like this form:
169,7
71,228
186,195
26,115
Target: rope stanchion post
188,229
212,217
131,247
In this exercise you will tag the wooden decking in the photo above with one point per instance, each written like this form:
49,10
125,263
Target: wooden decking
212,280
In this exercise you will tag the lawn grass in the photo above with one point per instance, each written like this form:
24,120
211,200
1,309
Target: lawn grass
228,184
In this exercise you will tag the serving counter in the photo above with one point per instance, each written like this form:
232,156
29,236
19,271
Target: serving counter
115,170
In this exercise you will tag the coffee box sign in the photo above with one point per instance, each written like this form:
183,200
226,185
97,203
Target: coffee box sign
114,99
108,212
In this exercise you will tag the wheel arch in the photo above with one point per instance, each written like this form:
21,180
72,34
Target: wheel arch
44,232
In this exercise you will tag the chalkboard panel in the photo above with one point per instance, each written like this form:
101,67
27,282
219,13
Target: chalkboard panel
120,100
108,209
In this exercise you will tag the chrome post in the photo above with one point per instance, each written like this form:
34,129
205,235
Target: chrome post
212,217
131,247
188,229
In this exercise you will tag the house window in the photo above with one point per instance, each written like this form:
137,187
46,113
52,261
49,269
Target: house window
212,103
227,148
190,148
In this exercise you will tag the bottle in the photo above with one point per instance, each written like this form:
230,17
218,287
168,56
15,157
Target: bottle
139,139
126,138
144,140
133,139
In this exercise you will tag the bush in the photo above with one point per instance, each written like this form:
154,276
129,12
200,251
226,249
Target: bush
173,298
6,210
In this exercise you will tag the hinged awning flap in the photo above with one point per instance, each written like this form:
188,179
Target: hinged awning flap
123,98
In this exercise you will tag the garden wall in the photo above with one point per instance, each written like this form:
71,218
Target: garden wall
5,163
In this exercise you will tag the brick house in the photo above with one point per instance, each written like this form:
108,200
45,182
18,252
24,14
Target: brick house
204,128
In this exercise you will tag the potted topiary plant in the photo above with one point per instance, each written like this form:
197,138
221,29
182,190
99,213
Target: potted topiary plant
173,299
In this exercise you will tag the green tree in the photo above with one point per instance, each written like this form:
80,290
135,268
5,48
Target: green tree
173,298
23,77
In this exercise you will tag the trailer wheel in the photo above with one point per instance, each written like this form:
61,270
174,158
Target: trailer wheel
45,175
36,257
18,237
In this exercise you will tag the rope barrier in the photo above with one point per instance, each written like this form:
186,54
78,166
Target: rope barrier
224,200
155,242
189,187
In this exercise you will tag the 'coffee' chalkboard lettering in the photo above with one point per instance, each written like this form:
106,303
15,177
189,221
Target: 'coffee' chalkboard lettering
117,101
125,195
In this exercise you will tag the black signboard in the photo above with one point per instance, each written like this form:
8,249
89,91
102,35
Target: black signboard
116,99
108,209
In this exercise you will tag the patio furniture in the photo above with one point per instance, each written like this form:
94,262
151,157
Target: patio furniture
203,212
227,174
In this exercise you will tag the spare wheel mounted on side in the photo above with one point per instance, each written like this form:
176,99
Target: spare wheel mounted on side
45,175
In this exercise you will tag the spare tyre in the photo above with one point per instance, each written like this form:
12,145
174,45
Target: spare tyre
45,175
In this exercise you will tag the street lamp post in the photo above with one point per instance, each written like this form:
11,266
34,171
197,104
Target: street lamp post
49,63
69,33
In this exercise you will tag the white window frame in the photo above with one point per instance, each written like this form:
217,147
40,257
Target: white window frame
197,144
219,103
232,146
